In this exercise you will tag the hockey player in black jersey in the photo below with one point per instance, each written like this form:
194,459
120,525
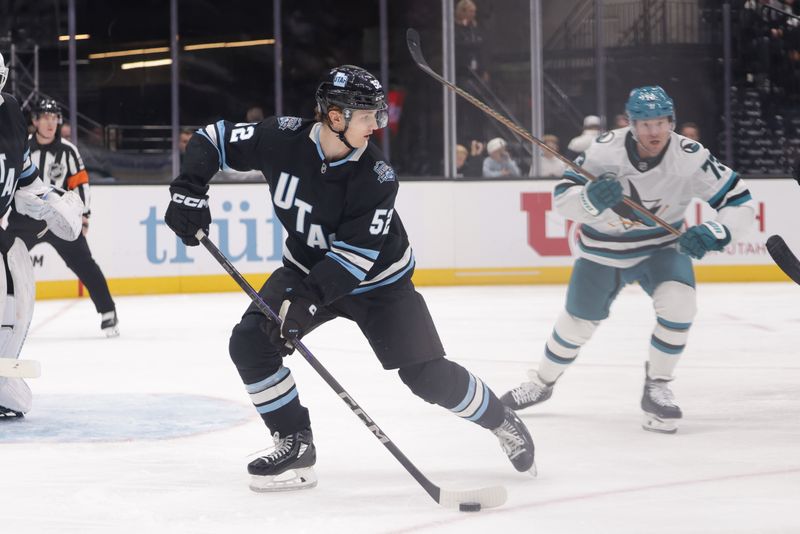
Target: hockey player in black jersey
60,165
346,255
19,180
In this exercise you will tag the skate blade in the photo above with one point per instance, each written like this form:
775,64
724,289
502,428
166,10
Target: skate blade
111,331
292,479
653,423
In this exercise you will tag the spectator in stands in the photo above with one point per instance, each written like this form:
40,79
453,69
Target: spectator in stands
498,164
471,73
591,129
690,130
621,121
66,131
469,162
549,165
254,114
461,159
183,140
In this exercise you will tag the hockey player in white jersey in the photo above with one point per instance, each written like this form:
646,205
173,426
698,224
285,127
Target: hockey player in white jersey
662,171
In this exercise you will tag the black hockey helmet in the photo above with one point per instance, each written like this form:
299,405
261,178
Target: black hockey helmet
47,105
351,88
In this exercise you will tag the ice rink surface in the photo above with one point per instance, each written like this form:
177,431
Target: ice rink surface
151,432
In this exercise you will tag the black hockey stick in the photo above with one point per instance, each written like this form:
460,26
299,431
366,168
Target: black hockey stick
488,497
783,257
414,47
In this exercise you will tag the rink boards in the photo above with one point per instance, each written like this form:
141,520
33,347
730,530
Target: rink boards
502,232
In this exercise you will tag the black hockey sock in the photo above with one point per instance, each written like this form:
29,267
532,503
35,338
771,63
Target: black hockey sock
449,385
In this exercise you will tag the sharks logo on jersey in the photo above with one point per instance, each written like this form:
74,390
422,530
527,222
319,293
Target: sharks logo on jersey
630,217
687,145
605,137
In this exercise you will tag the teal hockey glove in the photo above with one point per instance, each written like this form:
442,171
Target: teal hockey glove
603,193
698,240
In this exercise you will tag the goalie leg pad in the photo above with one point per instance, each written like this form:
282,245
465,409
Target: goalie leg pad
15,395
17,308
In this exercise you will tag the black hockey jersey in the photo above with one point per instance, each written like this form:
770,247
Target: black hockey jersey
343,232
16,168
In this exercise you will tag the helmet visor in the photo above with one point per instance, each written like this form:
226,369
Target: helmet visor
380,115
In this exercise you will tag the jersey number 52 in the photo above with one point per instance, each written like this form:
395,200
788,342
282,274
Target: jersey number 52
380,222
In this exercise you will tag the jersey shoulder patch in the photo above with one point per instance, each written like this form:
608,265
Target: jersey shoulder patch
384,172
605,137
689,146
289,123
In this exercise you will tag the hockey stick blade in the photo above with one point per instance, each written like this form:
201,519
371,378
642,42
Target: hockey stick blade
415,49
783,257
488,497
14,368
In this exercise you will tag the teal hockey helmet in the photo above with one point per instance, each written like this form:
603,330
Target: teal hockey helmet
649,102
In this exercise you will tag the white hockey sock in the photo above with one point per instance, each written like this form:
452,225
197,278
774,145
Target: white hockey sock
569,335
666,346
675,306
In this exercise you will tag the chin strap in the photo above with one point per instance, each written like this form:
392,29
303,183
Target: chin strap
341,136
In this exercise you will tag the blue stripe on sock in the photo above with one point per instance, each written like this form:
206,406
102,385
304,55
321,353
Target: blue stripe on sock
555,358
484,405
267,382
283,401
663,346
468,397
673,325
563,343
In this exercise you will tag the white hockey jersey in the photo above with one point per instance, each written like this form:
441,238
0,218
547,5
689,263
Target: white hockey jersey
664,185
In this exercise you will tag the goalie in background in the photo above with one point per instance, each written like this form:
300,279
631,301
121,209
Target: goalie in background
662,171
60,165
62,215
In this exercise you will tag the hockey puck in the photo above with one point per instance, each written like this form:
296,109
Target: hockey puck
469,507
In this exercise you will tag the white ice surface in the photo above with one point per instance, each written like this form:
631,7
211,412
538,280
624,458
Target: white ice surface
734,465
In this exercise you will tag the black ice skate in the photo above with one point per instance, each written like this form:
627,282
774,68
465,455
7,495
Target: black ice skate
288,466
660,411
528,393
108,324
516,442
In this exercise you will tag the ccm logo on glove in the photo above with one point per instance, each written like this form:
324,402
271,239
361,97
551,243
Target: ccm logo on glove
191,202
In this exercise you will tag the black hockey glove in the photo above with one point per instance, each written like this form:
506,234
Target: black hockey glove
187,213
297,312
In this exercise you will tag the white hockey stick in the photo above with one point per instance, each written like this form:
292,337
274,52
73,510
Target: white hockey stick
14,368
